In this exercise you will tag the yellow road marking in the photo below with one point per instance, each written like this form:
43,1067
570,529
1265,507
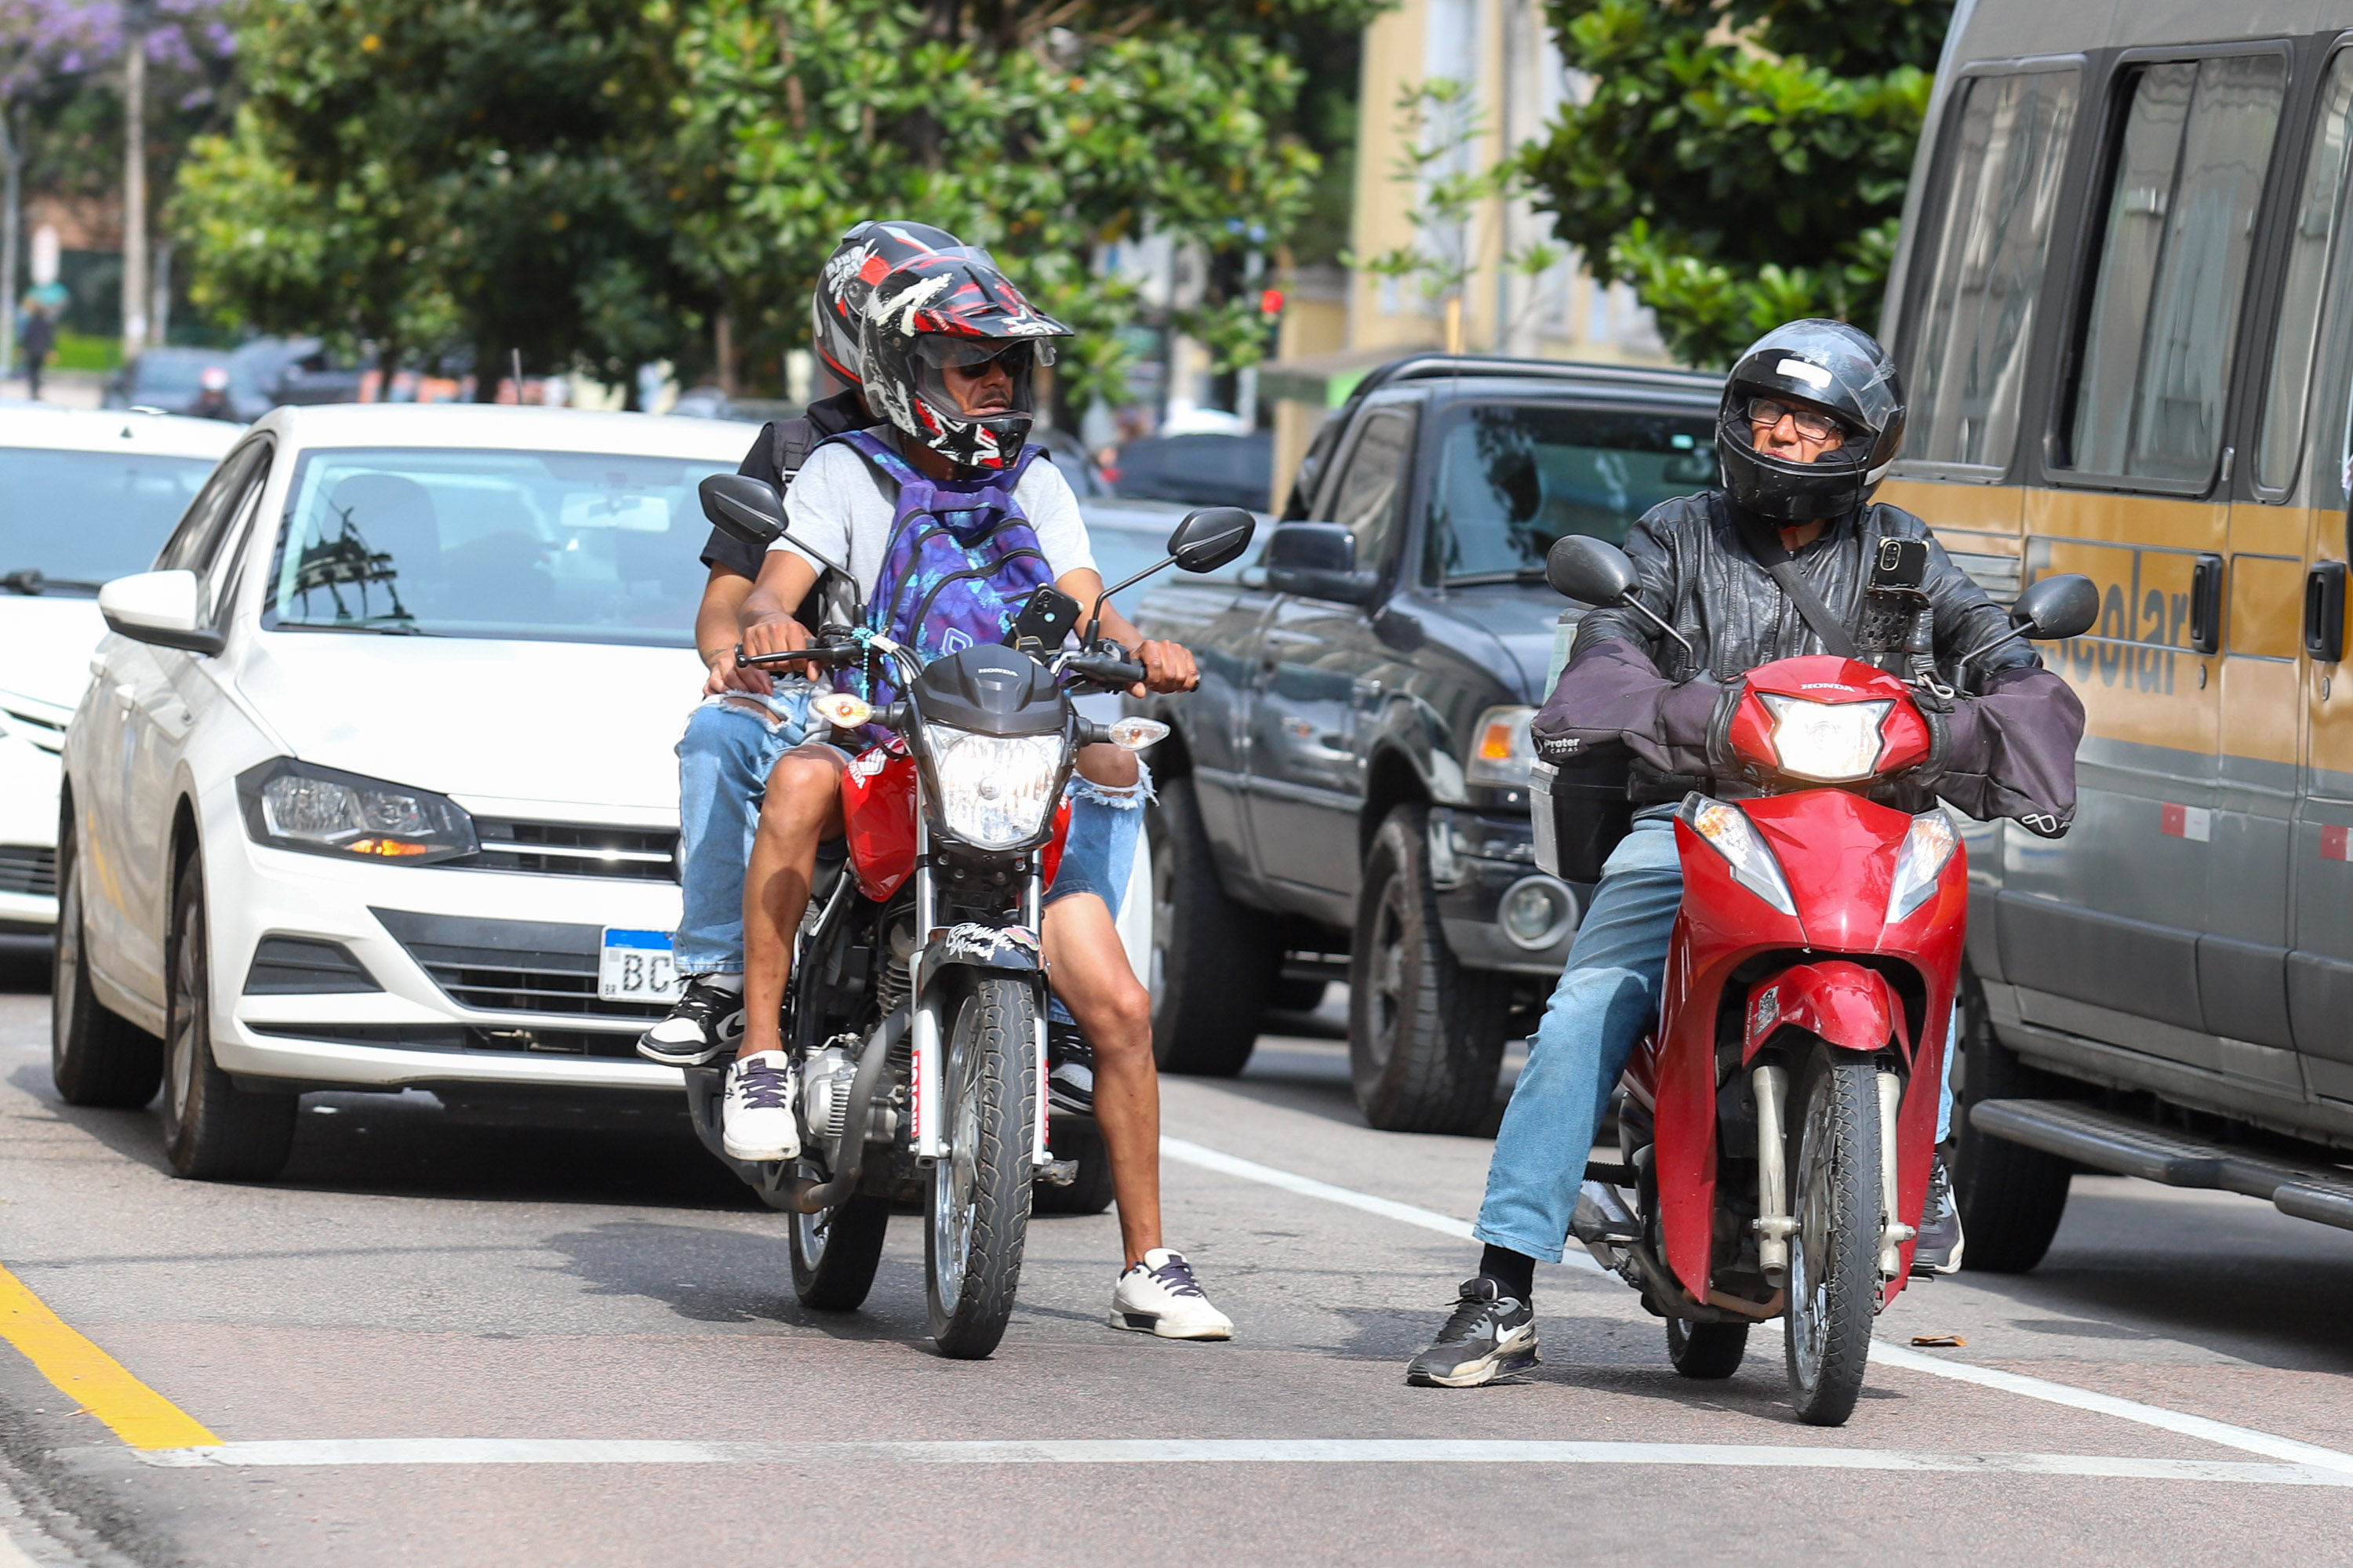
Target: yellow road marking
140,1417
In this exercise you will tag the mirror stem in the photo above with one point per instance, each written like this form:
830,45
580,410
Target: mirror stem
1094,617
1636,604
1979,651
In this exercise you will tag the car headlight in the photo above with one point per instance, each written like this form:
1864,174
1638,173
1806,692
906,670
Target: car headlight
1830,743
1501,748
293,805
1920,864
996,792
1732,836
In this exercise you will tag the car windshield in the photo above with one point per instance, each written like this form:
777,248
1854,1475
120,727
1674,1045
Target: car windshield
1514,477
545,546
82,518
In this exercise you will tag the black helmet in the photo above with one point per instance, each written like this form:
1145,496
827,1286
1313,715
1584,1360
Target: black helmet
863,256
953,308
1838,367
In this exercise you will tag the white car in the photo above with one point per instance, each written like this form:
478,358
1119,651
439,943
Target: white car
89,497
375,785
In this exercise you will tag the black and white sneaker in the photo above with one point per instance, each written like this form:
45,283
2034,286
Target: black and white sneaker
1070,1069
1487,1336
1939,1250
705,1024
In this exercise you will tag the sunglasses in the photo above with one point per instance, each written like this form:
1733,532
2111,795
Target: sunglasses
1810,424
974,355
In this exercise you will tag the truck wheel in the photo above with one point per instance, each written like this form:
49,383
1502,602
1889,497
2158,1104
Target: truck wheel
1212,961
213,1130
95,1057
2011,1197
1425,1034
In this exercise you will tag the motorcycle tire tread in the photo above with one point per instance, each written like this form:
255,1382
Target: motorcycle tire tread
1000,1016
1848,1084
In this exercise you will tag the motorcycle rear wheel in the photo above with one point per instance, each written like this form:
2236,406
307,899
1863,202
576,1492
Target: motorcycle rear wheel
836,1253
979,1216
1707,1349
1834,1261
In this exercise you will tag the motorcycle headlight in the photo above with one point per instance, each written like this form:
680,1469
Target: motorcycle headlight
1732,836
996,792
293,805
1830,743
1920,864
1501,749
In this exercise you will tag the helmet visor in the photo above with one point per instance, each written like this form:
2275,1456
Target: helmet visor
1019,355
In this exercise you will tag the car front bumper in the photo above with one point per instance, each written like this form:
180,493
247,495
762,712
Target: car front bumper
28,833
1475,860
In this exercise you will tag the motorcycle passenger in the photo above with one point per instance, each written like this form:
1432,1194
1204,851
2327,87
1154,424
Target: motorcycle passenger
949,348
1811,417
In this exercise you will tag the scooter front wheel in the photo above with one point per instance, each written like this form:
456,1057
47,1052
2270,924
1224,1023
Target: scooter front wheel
1834,1265
979,1216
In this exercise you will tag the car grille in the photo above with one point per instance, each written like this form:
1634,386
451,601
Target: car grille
510,965
574,848
43,724
609,1045
28,868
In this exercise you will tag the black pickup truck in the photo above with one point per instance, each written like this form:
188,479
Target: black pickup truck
1348,791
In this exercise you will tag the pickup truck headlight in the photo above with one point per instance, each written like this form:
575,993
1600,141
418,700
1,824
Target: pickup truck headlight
293,805
995,791
1502,748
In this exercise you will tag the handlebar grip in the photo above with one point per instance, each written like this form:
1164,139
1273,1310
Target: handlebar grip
822,652
1117,673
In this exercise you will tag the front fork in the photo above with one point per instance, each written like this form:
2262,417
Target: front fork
928,1107
1775,1224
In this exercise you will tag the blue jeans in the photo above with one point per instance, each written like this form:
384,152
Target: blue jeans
1098,851
1608,996
730,747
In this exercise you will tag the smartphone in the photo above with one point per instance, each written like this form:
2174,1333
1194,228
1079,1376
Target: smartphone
1045,620
1900,564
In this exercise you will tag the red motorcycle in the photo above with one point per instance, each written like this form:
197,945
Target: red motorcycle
1778,1126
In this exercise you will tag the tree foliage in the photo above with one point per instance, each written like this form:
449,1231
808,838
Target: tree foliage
1738,162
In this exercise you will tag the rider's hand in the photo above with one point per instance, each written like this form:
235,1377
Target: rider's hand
1167,667
778,634
726,675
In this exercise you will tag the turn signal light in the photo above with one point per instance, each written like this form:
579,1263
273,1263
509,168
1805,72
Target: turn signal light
1135,734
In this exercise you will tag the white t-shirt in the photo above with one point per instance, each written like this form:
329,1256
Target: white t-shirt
836,505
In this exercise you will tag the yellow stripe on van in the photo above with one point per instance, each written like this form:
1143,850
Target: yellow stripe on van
83,1372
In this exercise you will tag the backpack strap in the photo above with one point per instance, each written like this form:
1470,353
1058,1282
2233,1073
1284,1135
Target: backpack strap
793,440
1763,542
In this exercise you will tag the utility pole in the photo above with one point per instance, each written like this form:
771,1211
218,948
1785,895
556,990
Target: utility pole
138,15
11,226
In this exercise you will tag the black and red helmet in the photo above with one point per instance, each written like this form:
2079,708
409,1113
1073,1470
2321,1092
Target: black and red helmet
954,309
863,256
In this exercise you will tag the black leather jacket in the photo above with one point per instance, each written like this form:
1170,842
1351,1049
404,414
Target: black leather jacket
2009,750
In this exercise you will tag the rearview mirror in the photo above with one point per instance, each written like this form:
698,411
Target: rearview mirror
743,507
2054,609
1211,538
1589,570
166,609
1318,560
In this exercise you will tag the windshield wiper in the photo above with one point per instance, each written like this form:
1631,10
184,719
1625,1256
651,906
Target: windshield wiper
1484,579
31,583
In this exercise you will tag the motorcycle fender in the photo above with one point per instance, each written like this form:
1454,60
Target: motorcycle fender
1845,1004
1008,949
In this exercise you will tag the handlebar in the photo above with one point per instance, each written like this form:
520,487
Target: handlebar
1102,670
818,653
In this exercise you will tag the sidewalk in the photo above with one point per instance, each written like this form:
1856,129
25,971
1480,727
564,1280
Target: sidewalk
65,388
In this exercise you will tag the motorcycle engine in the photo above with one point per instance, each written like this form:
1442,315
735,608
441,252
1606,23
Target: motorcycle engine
825,1091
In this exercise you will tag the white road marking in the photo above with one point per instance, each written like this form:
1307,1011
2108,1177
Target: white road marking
1218,1451
1881,1352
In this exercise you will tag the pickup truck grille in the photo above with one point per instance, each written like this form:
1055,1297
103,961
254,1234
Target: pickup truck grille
27,868
574,848
510,965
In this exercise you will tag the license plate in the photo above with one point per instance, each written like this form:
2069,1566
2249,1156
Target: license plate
636,966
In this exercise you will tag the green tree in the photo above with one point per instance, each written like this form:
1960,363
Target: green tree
1738,162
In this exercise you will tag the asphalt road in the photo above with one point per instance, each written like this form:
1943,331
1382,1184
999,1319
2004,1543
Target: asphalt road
618,1293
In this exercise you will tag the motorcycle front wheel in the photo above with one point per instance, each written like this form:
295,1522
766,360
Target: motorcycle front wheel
1834,1263
979,1216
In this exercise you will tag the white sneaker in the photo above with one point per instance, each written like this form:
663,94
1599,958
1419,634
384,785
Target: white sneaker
1159,1296
755,1114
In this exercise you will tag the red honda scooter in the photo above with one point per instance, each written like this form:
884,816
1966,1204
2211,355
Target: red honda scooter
1778,1126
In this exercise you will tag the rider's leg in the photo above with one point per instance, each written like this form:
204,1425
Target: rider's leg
803,806
1095,981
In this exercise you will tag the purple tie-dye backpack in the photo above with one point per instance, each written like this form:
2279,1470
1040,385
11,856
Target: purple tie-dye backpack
962,561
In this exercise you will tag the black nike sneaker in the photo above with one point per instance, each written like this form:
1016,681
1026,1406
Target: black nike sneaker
1070,1069
1488,1335
1939,1250
705,1024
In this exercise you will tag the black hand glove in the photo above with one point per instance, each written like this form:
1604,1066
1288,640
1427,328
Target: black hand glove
1722,761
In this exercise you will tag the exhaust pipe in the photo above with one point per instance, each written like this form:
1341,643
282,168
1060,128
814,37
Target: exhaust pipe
806,1195
1774,1226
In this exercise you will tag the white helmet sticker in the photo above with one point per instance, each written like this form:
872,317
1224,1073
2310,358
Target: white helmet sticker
1799,370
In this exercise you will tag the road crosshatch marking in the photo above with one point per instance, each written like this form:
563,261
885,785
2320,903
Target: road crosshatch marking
100,1384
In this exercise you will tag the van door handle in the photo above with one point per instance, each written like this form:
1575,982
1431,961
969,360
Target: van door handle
2324,613
2206,605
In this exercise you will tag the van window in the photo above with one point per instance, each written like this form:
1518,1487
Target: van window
1978,311
2320,200
2156,344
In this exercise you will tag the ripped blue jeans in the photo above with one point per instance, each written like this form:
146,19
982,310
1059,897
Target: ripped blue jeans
1098,851
730,745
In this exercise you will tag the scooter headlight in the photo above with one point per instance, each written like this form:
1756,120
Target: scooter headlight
1828,743
996,792
1920,864
1731,834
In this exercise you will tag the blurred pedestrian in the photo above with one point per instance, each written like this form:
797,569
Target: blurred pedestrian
40,335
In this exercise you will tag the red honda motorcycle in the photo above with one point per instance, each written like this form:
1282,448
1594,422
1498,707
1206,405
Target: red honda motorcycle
1779,1125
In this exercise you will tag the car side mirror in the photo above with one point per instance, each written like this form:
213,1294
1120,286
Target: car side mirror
2052,610
1212,537
746,508
1317,560
1589,570
164,608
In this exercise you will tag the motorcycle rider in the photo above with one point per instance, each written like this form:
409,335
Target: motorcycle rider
1811,417
949,348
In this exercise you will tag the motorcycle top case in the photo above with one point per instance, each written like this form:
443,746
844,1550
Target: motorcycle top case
1579,812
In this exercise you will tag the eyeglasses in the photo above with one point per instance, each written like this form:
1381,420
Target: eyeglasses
973,355
1812,425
